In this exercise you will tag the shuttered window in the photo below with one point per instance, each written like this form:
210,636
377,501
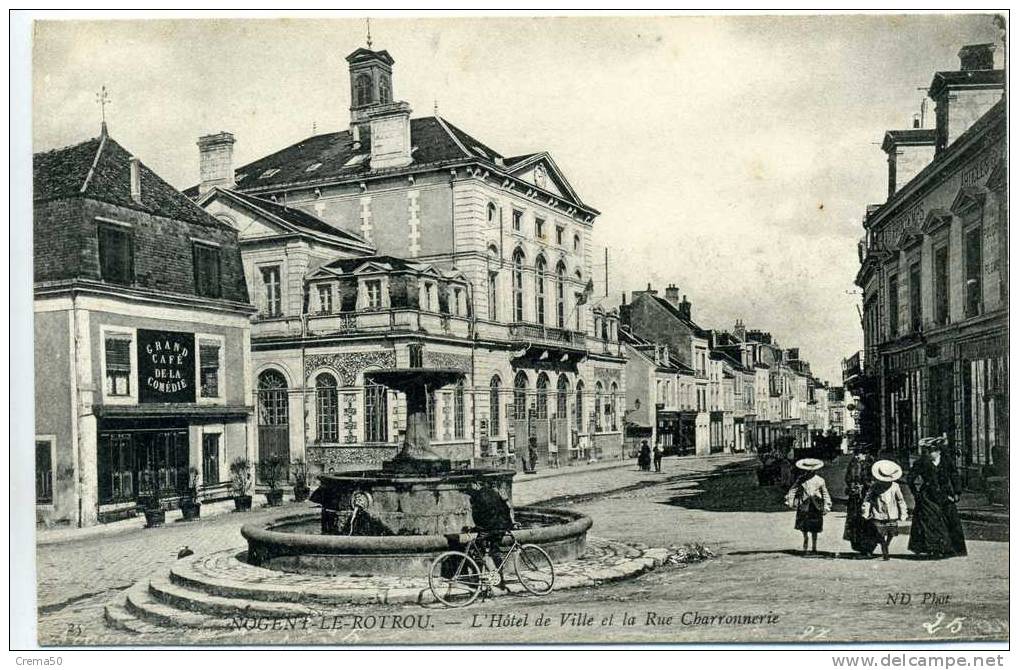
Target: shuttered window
208,280
118,365
43,471
208,359
116,254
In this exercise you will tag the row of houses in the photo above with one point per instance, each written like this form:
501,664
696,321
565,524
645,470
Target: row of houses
697,391
176,332
934,276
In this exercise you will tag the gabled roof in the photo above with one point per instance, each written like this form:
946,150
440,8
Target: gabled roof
697,330
100,169
383,264
289,216
435,142
717,355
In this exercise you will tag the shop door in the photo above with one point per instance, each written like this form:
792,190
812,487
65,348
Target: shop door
273,417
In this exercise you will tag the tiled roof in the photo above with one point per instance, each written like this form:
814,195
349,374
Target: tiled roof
299,218
100,169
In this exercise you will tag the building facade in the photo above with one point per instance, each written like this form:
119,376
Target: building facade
504,242
934,274
141,338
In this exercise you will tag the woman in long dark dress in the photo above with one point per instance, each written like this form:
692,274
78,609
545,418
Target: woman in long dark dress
858,531
936,530
644,457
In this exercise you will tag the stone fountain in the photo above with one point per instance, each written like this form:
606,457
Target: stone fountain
395,520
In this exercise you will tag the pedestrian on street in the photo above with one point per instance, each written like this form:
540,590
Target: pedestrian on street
809,497
937,530
644,457
884,506
858,532
532,453
658,453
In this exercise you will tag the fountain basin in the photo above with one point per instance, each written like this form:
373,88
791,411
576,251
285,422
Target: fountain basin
290,544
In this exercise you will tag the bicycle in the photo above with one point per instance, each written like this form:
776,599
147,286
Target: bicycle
456,580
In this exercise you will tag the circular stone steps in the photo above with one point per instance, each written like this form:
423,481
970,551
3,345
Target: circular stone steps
214,592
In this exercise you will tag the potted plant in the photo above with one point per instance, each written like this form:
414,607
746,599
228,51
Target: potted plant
240,482
190,508
299,472
155,515
273,472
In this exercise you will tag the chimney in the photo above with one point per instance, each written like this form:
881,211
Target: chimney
740,331
684,309
136,180
216,161
624,297
962,96
909,151
672,295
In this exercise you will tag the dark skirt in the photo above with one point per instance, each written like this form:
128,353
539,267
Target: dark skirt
929,533
859,532
809,519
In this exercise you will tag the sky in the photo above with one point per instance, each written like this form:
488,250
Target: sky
732,156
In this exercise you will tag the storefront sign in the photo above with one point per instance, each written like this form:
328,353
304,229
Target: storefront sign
166,366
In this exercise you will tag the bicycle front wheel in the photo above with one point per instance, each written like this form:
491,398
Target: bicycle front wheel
454,579
534,569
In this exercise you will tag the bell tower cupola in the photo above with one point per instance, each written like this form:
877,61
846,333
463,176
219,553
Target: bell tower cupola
371,82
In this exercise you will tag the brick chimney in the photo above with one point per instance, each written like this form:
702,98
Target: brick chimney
909,151
136,180
672,295
976,57
740,330
216,161
684,309
962,96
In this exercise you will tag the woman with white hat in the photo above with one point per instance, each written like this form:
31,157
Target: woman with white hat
884,505
809,497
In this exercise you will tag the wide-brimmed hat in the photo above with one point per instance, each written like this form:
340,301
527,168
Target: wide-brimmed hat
810,464
930,443
886,471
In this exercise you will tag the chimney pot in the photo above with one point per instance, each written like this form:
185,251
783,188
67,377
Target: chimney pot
977,57
136,180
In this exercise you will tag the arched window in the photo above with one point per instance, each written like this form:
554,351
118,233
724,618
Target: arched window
520,396
272,398
458,411
363,89
611,411
562,390
493,214
376,419
518,285
576,244
495,424
576,312
540,269
578,407
493,282
385,92
560,295
326,409
541,397
597,407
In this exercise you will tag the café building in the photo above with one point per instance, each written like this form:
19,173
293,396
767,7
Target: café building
141,318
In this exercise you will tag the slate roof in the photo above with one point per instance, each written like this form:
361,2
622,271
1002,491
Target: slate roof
100,169
640,344
299,218
726,358
697,330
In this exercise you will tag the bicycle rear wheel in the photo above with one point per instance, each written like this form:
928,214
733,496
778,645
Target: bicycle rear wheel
534,569
454,579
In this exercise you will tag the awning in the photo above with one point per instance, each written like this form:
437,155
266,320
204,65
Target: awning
172,411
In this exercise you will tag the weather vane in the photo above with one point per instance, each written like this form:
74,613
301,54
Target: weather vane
102,98
368,22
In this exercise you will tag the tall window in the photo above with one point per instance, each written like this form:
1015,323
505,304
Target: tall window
578,407
973,245
376,421
539,228
325,298
429,297
518,285
518,221
271,284
327,409
208,364
210,459
116,254
611,409
458,411
941,286
560,234
363,89
118,364
893,305
431,405
541,397
493,295
385,94
597,406
539,289
520,396
560,295
373,294
562,390
915,309
576,244
43,472
493,214
459,304
495,424
207,267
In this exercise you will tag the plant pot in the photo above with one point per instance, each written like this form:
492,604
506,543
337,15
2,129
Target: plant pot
274,498
301,493
191,511
242,503
154,518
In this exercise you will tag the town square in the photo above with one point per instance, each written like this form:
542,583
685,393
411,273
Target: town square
533,330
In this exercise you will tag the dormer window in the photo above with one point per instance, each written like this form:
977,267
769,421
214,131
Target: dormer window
429,297
313,167
268,173
355,160
373,294
325,299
